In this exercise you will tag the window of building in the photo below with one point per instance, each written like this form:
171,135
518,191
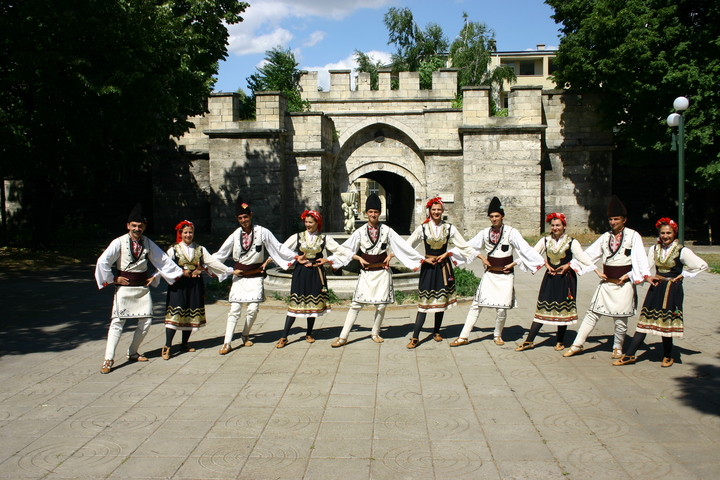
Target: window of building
527,67
552,67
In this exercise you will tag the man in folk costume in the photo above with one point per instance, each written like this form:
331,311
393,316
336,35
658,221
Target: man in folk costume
495,246
247,246
130,255
624,266
371,245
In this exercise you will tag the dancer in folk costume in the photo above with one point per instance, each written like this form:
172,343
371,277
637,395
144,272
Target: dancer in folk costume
624,266
247,246
185,307
558,292
495,246
662,311
373,246
308,291
436,287
130,255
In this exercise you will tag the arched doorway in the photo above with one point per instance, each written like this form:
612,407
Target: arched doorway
396,193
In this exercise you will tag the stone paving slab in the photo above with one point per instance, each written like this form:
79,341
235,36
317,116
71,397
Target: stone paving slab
365,411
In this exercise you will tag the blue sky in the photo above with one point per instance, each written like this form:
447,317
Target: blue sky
323,34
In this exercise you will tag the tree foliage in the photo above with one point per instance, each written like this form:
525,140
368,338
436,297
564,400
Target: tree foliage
641,55
279,73
368,64
416,48
88,86
471,55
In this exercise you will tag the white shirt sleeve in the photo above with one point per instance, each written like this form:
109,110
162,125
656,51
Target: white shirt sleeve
163,263
407,255
640,267
336,252
351,246
581,262
280,254
529,260
103,267
692,263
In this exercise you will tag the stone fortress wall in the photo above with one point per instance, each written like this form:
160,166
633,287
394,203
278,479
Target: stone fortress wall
547,155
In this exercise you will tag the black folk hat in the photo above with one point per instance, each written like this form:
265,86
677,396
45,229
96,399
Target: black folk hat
373,203
616,208
137,215
496,207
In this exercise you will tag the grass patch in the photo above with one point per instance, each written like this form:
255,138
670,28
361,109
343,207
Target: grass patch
403,298
713,260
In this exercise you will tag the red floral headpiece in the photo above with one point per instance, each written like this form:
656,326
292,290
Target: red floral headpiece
667,221
559,216
432,202
314,214
179,228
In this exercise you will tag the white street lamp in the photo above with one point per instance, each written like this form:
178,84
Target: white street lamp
676,120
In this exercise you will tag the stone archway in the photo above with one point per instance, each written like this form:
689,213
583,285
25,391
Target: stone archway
384,153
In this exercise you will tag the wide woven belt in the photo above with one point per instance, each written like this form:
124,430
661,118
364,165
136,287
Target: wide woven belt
497,265
250,271
136,279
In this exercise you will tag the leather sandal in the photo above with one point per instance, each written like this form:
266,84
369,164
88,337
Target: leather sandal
459,341
377,338
559,347
165,353
624,360
573,350
525,346
226,348
617,353
187,348
414,342
338,343
281,343
498,341
247,342
106,366
437,337
309,339
137,357
667,362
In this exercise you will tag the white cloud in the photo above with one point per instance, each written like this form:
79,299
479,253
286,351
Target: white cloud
245,44
314,38
347,63
261,28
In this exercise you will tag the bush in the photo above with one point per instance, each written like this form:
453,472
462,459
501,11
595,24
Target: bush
466,282
215,290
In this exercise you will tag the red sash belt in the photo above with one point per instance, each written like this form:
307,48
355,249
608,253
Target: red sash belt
377,262
614,273
498,264
253,270
136,279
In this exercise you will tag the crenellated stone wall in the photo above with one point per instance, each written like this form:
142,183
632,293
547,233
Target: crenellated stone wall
548,154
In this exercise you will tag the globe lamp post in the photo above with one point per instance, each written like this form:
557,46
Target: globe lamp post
676,120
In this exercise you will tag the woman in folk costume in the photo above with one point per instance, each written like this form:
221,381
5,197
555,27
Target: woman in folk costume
437,283
185,307
308,291
556,300
662,313
495,246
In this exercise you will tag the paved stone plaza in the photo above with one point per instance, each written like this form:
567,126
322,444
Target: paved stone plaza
365,411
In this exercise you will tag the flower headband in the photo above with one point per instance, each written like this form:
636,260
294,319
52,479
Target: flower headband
179,228
559,216
432,202
314,214
667,221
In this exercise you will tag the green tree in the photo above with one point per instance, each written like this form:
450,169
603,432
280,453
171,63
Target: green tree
367,64
640,55
87,87
417,49
279,73
471,53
